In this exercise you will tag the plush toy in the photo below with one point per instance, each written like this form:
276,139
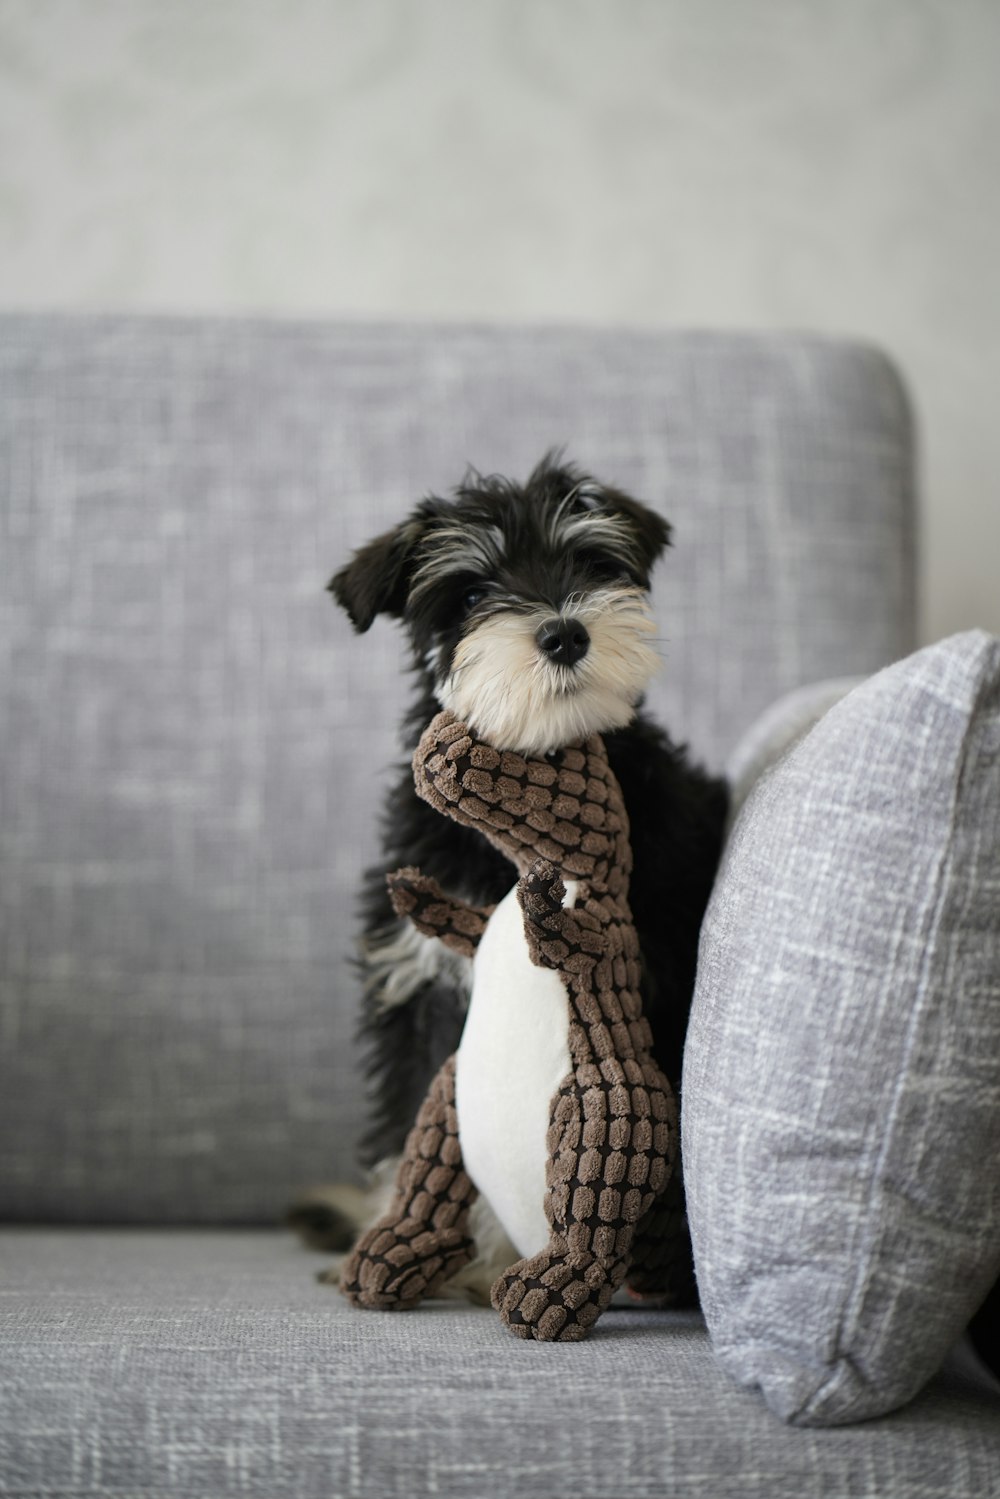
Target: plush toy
552,1106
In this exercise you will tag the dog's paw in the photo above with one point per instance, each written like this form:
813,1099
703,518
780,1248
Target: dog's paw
556,1297
328,1218
333,1273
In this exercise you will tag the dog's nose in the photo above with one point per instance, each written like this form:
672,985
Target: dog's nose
564,641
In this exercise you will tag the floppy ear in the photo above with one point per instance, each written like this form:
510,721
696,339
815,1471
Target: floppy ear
377,578
651,531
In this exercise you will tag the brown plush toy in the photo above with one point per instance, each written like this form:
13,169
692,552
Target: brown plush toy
553,1105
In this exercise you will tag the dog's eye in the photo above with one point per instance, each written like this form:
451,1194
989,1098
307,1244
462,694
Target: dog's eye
607,569
587,497
471,597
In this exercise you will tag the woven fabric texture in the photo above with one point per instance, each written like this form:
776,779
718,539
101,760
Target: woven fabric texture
841,1097
195,742
775,731
211,1365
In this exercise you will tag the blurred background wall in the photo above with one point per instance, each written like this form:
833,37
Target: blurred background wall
824,164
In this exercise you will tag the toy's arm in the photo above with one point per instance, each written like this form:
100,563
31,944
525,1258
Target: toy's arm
421,899
566,809
560,937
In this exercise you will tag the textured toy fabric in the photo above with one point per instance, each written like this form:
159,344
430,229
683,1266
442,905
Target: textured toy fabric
612,1135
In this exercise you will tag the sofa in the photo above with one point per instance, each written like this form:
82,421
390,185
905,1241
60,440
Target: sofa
195,745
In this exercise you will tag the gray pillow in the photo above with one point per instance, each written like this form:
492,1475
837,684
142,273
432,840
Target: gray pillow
841,1095
776,730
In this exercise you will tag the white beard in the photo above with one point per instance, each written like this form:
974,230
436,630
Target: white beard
513,697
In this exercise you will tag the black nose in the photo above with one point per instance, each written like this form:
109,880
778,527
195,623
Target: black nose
564,641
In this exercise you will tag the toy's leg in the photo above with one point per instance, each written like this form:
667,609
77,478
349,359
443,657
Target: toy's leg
419,897
556,1296
600,1186
423,1239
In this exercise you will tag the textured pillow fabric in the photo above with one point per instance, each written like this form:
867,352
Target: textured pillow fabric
841,1097
774,732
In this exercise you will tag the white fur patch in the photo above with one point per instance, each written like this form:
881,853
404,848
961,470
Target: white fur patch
611,534
513,1055
399,960
514,697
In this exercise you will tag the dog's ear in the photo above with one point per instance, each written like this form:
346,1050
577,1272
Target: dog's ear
651,532
377,578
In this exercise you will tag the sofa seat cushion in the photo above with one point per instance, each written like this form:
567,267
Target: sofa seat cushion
211,1363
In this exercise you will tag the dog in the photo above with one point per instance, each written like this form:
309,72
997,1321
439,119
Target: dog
527,612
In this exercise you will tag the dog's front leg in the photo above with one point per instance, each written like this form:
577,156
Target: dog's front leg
423,1240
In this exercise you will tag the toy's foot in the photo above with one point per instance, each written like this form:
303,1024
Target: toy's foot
556,1297
394,1266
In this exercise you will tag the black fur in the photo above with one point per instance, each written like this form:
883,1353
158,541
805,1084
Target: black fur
418,573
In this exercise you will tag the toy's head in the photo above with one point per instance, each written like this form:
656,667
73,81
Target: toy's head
527,605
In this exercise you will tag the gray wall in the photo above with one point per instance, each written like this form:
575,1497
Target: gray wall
829,164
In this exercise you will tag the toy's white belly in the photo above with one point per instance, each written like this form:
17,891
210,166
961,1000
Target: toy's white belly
513,1055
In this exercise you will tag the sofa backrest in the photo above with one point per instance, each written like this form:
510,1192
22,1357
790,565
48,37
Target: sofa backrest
194,742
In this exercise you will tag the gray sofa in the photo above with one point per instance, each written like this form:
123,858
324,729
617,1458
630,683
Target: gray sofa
194,745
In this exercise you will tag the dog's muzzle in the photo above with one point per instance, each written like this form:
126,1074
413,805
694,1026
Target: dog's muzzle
563,641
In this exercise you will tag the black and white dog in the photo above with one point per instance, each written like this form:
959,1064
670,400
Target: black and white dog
528,616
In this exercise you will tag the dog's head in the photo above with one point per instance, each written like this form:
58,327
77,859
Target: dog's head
526,604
